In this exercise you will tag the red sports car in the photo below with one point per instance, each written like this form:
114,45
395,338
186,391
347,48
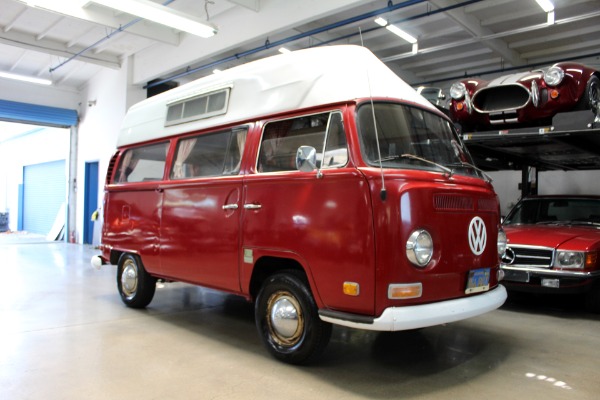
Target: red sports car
524,99
554,246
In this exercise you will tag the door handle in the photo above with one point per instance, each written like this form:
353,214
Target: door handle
230,207
252,206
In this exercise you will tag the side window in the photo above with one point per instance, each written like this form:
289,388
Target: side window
144,163
281,140
336,148
209,155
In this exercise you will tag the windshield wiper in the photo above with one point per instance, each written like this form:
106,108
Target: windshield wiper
388,158
426,161
487,178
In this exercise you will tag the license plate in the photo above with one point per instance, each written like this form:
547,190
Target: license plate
516,276
479,281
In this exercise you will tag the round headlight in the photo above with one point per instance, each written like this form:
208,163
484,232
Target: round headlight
458,90
502,242
419,248
553,76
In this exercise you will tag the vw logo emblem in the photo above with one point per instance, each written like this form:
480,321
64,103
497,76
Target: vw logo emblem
509,256
477,236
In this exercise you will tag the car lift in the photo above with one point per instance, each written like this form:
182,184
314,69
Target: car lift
572,142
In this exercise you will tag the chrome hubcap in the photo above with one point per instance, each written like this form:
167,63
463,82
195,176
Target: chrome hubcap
129,279
286,322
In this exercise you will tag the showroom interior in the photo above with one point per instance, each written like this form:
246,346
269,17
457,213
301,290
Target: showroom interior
69,71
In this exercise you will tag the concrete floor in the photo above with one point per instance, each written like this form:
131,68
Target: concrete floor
64,334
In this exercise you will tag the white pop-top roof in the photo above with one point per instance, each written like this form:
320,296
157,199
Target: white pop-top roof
291,81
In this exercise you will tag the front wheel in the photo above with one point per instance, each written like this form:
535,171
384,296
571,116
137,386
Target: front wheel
591,97
287,319
135,285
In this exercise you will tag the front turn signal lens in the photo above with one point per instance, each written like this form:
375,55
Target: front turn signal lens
351,288
401,291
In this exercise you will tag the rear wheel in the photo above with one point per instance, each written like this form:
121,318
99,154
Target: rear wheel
287,319
135,285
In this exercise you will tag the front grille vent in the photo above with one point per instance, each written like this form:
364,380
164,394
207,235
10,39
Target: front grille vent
487,205
500,98
453,202
527,256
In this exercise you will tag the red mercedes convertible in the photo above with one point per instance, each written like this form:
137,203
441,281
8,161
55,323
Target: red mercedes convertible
554,246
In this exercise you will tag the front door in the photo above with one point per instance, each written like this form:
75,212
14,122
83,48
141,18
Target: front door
320,219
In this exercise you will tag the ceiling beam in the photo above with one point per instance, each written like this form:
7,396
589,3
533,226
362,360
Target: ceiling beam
473,26
47,46
113,21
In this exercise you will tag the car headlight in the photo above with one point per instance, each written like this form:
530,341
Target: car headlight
419,248
502,242
569,259
553,76
458,90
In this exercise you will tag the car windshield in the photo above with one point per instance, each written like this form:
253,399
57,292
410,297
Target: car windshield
570,211
431,94
411,138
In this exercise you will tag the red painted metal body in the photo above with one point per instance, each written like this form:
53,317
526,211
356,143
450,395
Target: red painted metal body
567,96
336,228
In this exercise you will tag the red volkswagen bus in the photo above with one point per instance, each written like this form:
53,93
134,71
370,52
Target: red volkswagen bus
316,184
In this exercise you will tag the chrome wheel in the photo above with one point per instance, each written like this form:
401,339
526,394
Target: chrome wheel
286,322
129,279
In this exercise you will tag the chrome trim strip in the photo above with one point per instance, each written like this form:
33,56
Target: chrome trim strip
540,271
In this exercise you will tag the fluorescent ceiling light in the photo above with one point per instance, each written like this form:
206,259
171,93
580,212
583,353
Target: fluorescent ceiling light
546,5
283,50
395,30
161,15
24,78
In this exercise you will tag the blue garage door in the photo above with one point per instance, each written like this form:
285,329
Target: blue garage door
44,192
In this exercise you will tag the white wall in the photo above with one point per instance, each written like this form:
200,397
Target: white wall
506,184
104,104
39,94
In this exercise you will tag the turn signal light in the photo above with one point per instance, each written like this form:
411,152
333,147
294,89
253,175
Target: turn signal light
460,106
590,260
401,291
554,94
351,288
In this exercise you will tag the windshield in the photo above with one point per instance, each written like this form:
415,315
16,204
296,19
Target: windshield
412,138
555,211
431,94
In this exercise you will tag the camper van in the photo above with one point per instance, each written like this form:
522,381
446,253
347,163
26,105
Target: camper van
315,184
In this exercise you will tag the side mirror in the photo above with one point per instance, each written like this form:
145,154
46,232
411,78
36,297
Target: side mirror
306,159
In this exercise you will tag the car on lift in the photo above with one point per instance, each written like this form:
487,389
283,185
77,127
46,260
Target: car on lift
524,99
554,246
